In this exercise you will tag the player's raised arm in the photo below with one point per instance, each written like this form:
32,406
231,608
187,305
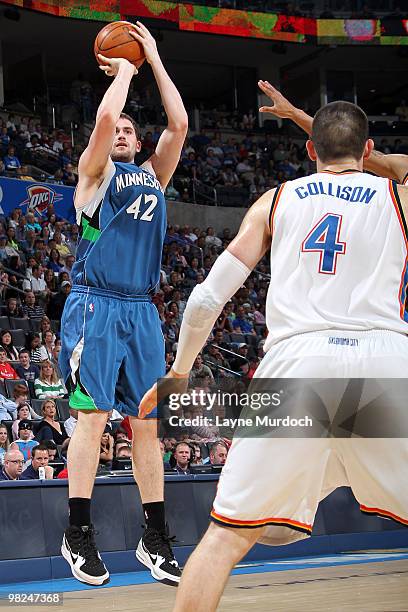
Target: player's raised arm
388,165
167,155
284,109
393,166
95,158
207,300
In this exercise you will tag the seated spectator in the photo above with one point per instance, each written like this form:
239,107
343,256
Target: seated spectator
4,443
197,455
215,359
69,262
51,282
200,373
49,428
14,309
241,323
33,345
32,223
6,371
8,409
180,459
24,412
23,174
6,342
123,450
71,422
26,370
48,385
11,162
106,452
57,302
47,346
30,308
40,458
13,465
36,283
218,453
238,362
54,263
25,442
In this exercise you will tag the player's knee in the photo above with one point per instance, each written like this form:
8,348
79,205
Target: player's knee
93,423
144,428
237,541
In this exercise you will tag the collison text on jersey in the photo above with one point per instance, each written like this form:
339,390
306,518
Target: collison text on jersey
356,195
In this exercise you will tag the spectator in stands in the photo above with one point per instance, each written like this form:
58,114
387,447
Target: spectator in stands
53,453
4,442
45,326
39,459
54,262
33,344
123,450
30,308
69,262
169,328
6,342
218,453
47,346
216,360
6,371
51,282
14,309
57,302
32,223
11,161
50,428
37,283
200,373
24,412
180,459
61,247
106,452
71,422
11,240
48,385
25,442
13,465
8,409
197,455
241,323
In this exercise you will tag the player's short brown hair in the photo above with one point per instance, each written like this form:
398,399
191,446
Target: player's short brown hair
340,130
133,122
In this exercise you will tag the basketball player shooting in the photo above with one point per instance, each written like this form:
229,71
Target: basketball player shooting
338,261
112,345
390,165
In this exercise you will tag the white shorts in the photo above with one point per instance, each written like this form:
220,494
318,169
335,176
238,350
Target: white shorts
277,483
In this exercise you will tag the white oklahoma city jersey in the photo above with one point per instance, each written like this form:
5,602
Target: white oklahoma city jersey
338,256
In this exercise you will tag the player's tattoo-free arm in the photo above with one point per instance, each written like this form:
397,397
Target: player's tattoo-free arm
393,166
96,155
284,109
167,155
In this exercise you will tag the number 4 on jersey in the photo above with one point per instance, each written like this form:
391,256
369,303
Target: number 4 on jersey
324,239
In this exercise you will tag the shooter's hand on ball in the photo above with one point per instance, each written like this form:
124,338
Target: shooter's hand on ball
162,389
143,36
111,65
281,106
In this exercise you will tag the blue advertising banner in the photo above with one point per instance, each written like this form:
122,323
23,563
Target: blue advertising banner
36,197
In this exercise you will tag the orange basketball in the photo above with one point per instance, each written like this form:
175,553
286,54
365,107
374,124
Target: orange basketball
114,40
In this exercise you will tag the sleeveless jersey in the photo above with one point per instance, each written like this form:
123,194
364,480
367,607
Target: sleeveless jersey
338,256
122,232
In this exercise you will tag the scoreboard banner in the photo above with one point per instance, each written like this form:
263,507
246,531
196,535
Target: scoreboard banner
230,22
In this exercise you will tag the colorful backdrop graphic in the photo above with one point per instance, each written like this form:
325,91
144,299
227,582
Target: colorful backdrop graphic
269,26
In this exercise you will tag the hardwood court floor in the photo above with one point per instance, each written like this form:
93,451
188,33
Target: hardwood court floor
368,587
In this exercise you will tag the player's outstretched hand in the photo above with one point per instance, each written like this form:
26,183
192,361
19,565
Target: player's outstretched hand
142,35
162,389
110,65
281,106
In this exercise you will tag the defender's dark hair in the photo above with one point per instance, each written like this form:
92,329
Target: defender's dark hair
340,130
133,122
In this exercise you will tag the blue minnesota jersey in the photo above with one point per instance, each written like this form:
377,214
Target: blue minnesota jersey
121,233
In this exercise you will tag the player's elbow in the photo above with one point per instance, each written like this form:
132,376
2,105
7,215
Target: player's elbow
180,125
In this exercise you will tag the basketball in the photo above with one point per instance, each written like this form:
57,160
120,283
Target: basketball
114,40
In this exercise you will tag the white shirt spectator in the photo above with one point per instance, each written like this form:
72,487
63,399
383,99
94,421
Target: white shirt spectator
34,284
